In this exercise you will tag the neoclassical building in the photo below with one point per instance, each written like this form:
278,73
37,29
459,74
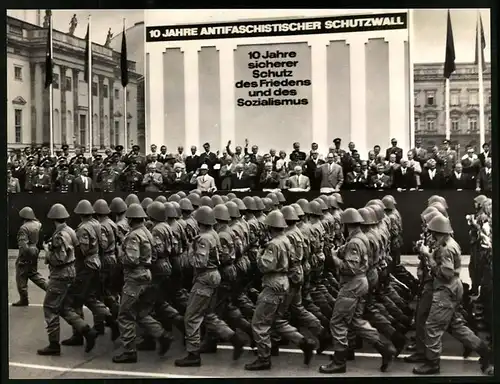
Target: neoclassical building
28,100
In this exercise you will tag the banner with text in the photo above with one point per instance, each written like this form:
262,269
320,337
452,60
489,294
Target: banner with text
273,92
259,28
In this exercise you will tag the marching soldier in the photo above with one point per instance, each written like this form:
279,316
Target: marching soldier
27,260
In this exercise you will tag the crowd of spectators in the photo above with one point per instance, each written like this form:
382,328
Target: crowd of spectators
242,168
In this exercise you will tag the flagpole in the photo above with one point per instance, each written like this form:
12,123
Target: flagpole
480,77
125,130
89,80
51,101
447,109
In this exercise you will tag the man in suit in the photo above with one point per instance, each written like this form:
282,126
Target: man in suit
91,159
237,156
269,178
177,179
357,179
239,179
41,181
380,180
208,158
459,179
152,180
163,155
204,182
484,181
404,177
432,177
419,153
154,149
310,167
394,149
180,156
331,175
153,162
297,157
83,183
485,154
254,155
192,161
298,182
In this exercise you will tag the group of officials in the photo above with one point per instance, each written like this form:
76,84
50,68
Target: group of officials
253,270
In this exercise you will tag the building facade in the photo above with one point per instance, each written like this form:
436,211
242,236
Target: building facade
28,100
429,104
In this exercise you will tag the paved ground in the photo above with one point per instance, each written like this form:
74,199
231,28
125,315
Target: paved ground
27,334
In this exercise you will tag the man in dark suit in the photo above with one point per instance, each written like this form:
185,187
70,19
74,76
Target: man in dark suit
310,167
177,179
356,179
297,157
380,180
484,181
404,177
192,161
240,180
208,158
92,157
83,183
432,177
331,175
458,179
394,150
485,154
419,153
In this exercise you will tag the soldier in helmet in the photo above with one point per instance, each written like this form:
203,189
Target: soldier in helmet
447,290
85,290
352,262
134,307
395,230
27,260
60,257
205,262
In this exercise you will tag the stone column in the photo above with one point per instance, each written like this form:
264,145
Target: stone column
45,108
319,60
76,106
191,87
226,50
100,87
111,90
62,87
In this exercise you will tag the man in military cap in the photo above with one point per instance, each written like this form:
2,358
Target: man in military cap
133,156
27,260
95,167
44,155
108,178
65,150
131,178
64,181
448,156
119,150
337,150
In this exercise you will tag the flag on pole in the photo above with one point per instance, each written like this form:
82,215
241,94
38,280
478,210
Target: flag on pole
481,38
86,71
449,61
123,60
49,78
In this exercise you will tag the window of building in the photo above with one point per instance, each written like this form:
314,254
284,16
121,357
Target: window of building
417,124
128,96
69,84
55,82
430,98
430,124
473,124
18,73
117,94
455,125
473,97
16,30
18,124
455,98
105,91
416,103
94,88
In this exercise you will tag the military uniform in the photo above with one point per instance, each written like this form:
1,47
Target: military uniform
131,180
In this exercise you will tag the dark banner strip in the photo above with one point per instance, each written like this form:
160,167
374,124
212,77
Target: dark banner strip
290,27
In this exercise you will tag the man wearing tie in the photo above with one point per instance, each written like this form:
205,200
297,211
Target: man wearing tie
204,182
404,177
299,182
331,175
177,179
432,178
380,180
419,153
484,182
152,180
269,179
83,183
458,179
239,180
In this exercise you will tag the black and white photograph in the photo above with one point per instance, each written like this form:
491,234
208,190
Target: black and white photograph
254,193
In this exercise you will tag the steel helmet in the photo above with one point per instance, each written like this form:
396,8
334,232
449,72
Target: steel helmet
431,215
135,211
322,204
268,203
161,199
304,204
273,198
233,210
27,213
439,199
231,196
315,208
391,198
194,199
132,199
174,197
440,224
186,204
206,201
101,207
181,194
177,208
222,213
480,199
197,191
146,202
249,203
170,211
373,211
281,197
332,202
289,213
368,216
240,204
118,205
205,215
351,216
275,219
216,200
379,212
298,209
338,197
58,212
429,210
157,211
259,203
388,203
325,199
440,207
84,208
224,198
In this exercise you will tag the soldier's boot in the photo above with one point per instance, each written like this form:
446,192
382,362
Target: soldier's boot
307,346
53,349
485,356
260,364
165,341
350,354
275,350
90,336
238,344
336,365
100,328
388,352
23,302
192,359
428,368
415,357
76,340
399,342
128,357
208,345
148,343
